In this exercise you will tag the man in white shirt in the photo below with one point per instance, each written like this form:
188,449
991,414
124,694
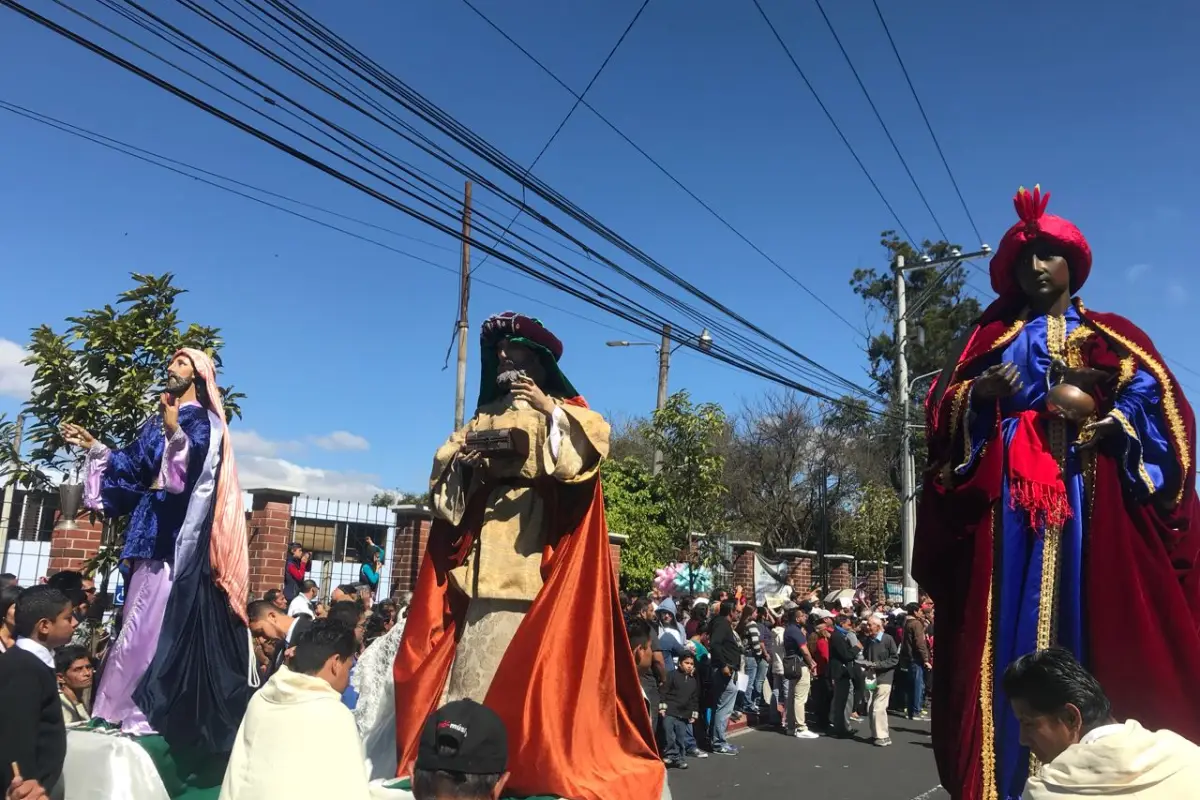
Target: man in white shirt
302,604
325,756
269,623
1066,722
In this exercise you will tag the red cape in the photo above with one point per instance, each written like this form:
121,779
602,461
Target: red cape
567,688
1141,564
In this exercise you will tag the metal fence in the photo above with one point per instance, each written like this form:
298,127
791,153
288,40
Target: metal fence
26,525
336,532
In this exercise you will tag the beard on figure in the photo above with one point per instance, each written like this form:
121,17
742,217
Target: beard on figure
177,385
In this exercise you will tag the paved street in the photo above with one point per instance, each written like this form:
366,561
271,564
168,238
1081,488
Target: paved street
774,765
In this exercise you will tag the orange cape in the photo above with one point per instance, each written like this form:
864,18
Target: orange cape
567,688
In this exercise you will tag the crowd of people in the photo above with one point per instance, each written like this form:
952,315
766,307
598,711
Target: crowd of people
807,669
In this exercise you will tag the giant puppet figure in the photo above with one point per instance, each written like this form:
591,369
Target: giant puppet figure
183,665
516,602
1059,508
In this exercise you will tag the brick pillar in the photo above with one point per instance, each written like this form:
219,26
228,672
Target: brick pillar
615,542
73,542
876,580
270,528
743,567
839,572
801,569
412,534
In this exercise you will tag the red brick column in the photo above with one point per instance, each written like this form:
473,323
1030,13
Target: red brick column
743,566
801,569
269,528
876,581
615,542
840,576
412,535
74,542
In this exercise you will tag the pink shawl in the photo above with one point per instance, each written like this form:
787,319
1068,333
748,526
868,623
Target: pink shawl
228,548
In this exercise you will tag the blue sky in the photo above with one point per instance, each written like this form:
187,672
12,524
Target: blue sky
340,345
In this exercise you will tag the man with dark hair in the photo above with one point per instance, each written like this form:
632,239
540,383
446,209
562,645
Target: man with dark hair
32,733
304,697
269,623
352,615
915,659
302,603
798,667
1067,724
7,579
842,655
641,641
75,673
463,754
276,598
726,653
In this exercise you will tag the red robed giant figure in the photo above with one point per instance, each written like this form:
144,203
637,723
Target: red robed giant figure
1044,521
516,601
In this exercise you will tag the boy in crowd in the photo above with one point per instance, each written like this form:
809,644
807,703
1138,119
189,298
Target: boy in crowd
304,698
680,707
32,734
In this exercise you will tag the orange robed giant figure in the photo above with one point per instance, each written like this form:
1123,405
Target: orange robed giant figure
516,602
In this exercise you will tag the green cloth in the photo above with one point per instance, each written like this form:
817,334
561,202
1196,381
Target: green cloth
185,776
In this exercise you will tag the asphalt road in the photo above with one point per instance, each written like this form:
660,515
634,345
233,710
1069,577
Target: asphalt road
773,765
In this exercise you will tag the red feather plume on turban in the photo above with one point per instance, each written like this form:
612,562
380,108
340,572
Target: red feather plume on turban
1036,224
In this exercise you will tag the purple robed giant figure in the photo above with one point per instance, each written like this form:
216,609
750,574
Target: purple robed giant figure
183,665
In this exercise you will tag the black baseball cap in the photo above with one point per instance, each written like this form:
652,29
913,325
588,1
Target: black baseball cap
472,736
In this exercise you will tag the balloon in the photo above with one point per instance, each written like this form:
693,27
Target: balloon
664,579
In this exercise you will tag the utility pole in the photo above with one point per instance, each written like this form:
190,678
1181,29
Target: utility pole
664,369
907,517
823,500
464,302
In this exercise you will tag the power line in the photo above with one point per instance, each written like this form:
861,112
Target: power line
180,167
561,125
666,173
887,132
591,297
925,117
787,51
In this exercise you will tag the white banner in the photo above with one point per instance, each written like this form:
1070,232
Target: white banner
770,582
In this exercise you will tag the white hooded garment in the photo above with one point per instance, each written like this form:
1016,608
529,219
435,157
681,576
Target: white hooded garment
297,741
1130,763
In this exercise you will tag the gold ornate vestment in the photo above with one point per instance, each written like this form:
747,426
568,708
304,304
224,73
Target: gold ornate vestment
502,573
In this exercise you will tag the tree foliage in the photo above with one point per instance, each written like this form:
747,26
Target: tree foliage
396,497
107,368
872,529
691,438
633,506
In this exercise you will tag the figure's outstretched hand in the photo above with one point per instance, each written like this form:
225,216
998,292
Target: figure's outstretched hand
169,405
77,435
1000,381
1091,434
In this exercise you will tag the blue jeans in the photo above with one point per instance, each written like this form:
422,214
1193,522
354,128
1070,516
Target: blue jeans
725,701
916,690
749,700
677,732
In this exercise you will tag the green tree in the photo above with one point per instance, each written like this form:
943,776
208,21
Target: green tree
107,368
872,529
399,498
10,451
633,507
692,440
937,304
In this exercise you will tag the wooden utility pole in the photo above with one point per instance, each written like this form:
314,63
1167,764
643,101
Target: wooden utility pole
664,369
464,302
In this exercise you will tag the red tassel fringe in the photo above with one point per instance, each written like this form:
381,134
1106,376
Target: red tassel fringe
1046,505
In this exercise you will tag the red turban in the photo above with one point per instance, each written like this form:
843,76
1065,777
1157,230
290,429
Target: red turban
1036,224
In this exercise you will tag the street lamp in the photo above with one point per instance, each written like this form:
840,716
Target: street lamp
703,343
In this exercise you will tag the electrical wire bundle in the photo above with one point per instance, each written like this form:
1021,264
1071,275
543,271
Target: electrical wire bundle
212,54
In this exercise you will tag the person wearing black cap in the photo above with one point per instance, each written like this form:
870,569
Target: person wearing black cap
463,754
